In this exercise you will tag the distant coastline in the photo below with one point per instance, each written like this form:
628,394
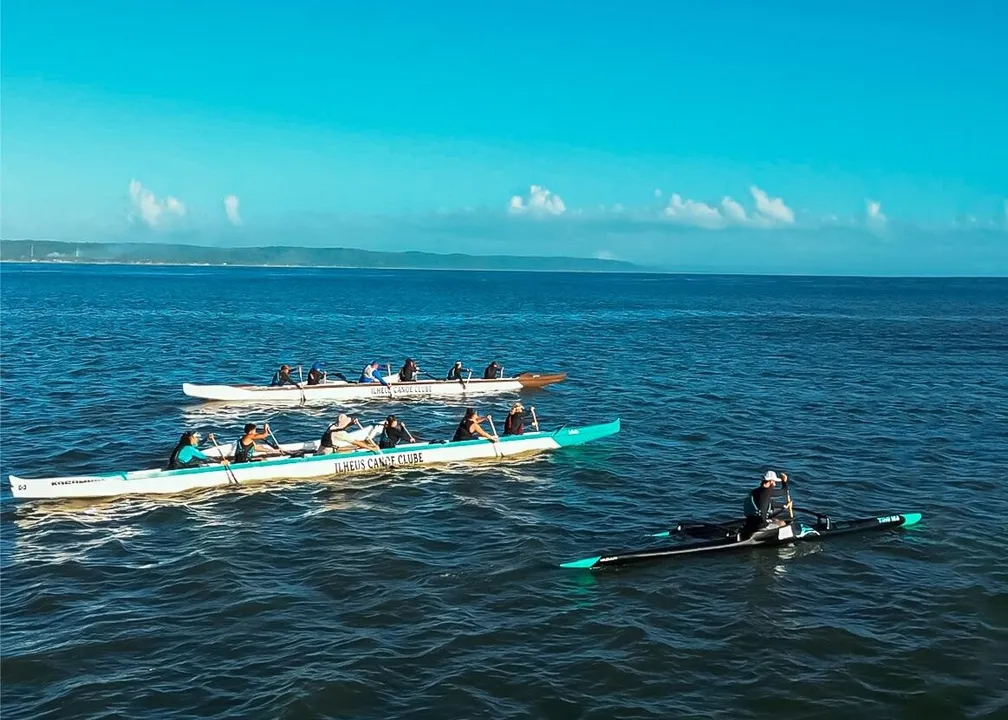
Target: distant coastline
61,252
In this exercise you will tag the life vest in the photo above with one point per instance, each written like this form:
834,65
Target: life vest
243,454
462,432
327,441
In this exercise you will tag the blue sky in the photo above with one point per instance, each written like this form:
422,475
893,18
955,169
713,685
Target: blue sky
728,135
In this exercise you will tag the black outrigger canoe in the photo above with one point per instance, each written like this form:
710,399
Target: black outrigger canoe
725,537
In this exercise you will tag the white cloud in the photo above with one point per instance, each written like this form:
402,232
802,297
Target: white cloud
730,212
231,208
772,209
539,201
152,211
693,212
733,211
873,211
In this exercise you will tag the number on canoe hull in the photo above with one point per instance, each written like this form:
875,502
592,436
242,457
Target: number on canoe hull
889,519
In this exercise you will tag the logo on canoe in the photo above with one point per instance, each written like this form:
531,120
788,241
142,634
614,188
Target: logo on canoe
888,519
374,462
403,389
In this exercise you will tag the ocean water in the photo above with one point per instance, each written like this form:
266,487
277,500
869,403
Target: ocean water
436,593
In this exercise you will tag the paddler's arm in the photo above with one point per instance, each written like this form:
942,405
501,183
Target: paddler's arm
480,431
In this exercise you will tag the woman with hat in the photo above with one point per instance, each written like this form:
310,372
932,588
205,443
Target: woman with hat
337,439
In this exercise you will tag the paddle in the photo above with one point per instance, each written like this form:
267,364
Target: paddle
224,462
276,443
535,420
787,494
490,418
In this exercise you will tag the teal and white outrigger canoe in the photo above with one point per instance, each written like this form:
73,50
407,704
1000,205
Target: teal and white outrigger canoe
157,481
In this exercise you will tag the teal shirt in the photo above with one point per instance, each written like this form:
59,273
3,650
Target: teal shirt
189,452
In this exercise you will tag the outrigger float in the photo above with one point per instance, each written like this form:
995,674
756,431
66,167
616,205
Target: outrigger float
336,390
303,463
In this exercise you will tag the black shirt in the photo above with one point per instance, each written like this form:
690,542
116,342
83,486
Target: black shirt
393,436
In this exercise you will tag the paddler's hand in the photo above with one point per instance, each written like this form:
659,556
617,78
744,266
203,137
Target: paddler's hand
211,437
783,477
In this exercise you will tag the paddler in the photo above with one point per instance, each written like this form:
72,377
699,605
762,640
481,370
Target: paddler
370,374
408,372
759,510
456,371
337,439
282,377
317,374
187,454
514,423
470,428
246,448
394,432
493,371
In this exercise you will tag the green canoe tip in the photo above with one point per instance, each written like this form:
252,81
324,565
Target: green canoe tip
585,563
911,518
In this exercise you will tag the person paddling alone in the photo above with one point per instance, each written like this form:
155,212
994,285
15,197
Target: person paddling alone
186,454
470,428
514,423
759,510
246,448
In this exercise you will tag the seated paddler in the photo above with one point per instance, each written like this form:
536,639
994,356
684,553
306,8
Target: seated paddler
187,454
336,437
317,374
282,377
370,374
493,371
457,371
760,512
246,447
394,432
408,372
470,428
514,423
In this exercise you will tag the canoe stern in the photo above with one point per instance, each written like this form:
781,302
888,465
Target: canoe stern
537,380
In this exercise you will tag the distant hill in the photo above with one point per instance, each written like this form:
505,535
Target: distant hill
155,254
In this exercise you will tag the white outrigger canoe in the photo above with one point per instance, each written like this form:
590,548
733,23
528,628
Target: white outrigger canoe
159,481
335,390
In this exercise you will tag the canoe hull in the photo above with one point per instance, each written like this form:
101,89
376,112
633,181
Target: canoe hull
163,482
395,390
791,533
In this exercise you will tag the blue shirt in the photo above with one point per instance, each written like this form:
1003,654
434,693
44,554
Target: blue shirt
190,452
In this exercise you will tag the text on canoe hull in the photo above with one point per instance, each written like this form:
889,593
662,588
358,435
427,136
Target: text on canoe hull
375,462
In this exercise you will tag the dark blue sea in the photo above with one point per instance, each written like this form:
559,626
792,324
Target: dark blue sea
437,593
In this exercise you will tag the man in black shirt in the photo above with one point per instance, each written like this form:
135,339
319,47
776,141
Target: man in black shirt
759,509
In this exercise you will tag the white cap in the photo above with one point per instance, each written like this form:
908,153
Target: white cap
770,475
342,422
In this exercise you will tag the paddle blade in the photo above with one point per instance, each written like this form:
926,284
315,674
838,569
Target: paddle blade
582,564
